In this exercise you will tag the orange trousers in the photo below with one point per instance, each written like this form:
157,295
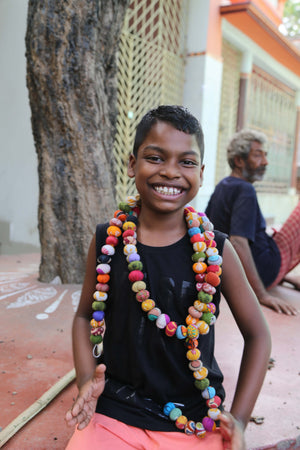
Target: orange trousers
105,433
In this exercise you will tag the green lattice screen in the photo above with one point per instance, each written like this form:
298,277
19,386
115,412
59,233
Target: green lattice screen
150,71
272,109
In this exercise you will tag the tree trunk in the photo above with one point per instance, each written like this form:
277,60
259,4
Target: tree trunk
71,50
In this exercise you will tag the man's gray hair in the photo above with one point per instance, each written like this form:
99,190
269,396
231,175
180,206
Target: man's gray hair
240,144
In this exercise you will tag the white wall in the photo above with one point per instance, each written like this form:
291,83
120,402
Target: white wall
202,92
18,161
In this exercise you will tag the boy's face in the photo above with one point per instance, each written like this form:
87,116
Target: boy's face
168,169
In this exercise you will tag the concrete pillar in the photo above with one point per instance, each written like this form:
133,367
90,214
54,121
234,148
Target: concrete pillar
202,90
245,74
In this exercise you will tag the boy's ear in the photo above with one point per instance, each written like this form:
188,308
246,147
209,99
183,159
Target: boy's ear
131,166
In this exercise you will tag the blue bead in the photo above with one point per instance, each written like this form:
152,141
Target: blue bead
168,408
194,230
98,315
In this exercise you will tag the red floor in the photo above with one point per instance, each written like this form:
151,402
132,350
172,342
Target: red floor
35,349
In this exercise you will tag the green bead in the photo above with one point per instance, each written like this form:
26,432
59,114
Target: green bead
175,413
197,256
202,384
135,265
98,306
124,207
96,339
204,297
207,317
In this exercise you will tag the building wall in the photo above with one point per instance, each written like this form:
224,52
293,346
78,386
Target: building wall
202,94
18,161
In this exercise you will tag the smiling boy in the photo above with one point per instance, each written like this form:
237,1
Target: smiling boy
162,290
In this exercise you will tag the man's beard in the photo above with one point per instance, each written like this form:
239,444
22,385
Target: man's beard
252,175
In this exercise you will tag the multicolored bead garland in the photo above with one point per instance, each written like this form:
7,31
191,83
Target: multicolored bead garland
207,267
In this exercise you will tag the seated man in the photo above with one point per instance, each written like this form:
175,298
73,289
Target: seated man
233,208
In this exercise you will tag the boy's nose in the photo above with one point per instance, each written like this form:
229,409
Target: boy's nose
170,171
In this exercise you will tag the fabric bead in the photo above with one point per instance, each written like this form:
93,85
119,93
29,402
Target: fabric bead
208,288
193,354
190,427
114,231
175,413
199,267
196,238
200,277
192,332
202,384
191,343
104,259
103,268
214,413
208,424
154,313
181,332
211,307
116,222
142,295
195,365
200,374
199,247
96,339
102,287
135,265
193,231
214,402
135,275
132,200
168,408
190,320
171,328
138,286
129,249
129,226
124,207
112,240
98,315
147,305
120,215
98,306
194,313
211,251
162,321
198,256
200,306
180,422
202,327
100,296
103,278
199,430
108,250
212,279
204,297
209,318
133,257
209,392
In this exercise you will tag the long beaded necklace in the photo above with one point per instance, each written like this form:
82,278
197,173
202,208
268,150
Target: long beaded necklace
207,267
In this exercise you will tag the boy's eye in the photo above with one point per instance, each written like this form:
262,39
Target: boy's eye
153,158
190,162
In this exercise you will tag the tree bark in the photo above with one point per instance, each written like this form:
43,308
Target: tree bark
71,48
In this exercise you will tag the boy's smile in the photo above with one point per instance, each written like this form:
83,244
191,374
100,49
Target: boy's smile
168,168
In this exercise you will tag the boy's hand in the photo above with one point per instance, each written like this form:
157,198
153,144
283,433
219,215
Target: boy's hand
232,432
85,404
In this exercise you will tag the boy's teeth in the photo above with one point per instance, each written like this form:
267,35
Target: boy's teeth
167,190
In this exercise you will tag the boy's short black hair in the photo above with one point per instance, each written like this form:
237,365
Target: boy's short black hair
177,116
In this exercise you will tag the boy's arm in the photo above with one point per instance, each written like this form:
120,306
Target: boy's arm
252,325
242,248
90,377
84,361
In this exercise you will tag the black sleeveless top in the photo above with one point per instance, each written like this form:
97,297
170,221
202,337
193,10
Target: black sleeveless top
145,368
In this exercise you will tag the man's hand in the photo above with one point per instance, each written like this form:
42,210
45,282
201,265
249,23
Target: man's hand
85,404
278,304
232,432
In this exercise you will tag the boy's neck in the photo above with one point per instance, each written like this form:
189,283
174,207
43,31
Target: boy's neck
160,230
